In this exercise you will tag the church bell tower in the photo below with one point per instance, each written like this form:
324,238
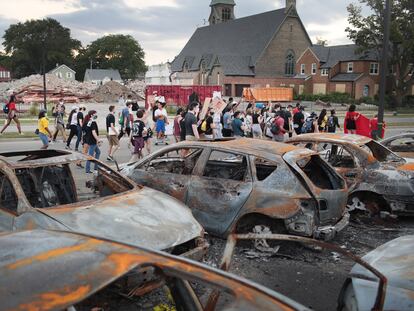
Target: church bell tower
221,11
290,3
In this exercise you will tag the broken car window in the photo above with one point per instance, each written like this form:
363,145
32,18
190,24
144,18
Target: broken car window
8,198
226,166
320,173
381,153
403,144
336,155
49,186
264,168
178,161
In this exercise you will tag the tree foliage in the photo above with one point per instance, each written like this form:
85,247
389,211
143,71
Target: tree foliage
368,33
120,52
26,43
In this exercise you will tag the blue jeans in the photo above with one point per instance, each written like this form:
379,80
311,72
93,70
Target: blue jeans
93,151
44,139
79,136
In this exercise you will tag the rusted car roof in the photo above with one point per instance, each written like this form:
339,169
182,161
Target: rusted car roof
41,157
333,137
256,147
78,266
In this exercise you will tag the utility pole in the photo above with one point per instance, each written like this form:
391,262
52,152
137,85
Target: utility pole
44,76
384,69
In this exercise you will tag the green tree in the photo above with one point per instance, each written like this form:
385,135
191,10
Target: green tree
368,31
27,43
120,52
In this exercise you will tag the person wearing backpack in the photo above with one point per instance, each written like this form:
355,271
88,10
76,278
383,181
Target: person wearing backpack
322,121
92,139
138,132
125,121
11,111
333,122
277,129
311,124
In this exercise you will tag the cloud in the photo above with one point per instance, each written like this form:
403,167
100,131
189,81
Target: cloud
163,27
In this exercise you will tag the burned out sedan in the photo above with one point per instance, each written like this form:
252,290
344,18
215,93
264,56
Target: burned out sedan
378,179
50,190
402,144
86,273
233,185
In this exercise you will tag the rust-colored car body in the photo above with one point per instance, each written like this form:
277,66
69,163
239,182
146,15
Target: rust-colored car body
50,270
373,172
121,210
402,144
226,183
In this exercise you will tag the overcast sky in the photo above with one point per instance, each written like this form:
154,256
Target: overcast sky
163,27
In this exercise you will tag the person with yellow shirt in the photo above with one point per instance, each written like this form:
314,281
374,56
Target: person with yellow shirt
43,129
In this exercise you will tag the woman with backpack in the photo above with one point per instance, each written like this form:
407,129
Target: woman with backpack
333,122
11,111
350,119
322,121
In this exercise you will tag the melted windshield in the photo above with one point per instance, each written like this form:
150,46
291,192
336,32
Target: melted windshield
381,153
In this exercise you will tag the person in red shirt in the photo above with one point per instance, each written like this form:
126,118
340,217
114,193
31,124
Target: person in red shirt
279,122
12,115
350,119
296,109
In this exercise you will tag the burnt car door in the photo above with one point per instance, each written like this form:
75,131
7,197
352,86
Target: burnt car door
8,203
168,171
342,159
220,185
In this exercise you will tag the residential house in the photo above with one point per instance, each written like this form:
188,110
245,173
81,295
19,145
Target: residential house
102,76
5,75
63,72
158,74
343,69
258,50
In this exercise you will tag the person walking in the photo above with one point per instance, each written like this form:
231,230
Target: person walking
112,134
237,125
72,125
43,129
277,128
138,132
191,130
209,124
161,118
333,122
311,124
79,125
227,120
59,113
125,121
322,121
176,126
92,139
257,120
11,111
350,119
298,121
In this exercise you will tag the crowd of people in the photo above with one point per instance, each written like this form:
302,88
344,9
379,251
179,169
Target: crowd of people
258,120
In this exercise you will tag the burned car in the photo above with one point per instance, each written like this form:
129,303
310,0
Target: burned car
402,144
83,272
50,190
378,179
396,262
231,186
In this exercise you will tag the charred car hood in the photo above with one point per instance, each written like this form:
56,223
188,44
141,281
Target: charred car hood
146,218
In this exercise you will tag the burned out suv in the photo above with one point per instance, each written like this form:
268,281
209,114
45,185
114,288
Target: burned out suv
50,190
233,184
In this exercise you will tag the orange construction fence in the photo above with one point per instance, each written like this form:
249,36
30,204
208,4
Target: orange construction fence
275,94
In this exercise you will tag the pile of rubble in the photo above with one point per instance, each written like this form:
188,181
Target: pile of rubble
110,92
30,90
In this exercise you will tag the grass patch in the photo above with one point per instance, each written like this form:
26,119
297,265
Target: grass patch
13,135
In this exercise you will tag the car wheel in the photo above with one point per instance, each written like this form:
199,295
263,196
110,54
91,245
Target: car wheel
368,202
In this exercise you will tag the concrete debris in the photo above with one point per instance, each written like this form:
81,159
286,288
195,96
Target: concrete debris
336,256
356,205
110,92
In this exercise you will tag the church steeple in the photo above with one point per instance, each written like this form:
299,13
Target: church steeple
290,3
221,11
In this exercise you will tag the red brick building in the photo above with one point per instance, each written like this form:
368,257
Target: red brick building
5,75
325,70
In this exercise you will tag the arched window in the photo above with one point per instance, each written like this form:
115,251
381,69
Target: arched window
225,14
290,63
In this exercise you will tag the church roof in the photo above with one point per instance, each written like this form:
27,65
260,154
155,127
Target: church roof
229,2
236,45
331,55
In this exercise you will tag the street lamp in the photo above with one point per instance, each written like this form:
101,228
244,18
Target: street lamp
383,69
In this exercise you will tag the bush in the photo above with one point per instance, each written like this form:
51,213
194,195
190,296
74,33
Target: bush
368,100
339,98
34,110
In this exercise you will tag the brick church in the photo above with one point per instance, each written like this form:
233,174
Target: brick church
270,49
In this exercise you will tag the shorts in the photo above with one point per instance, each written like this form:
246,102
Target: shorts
113,140
190,138
44,139
138,144
160,126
